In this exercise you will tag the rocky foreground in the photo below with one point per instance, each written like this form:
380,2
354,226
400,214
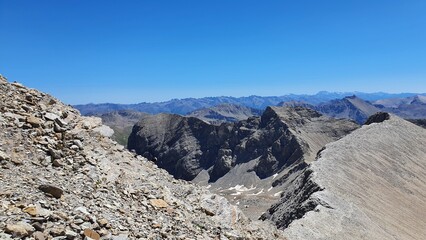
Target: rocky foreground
62,177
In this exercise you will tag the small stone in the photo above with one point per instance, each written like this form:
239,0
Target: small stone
102,222
71,234
38,226
51,116
56,154
60,122
78,221
39,236
85,225
58,128
160,203
16,161
58,163
78,143
103,232
52,190
34,121
156,225
57,231
21,229
91,234
82,210
30,210
4,156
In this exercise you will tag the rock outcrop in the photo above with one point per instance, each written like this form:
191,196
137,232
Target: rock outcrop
62,178
368,185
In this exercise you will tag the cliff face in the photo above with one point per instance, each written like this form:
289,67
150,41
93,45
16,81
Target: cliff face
280,138
62,177
367,185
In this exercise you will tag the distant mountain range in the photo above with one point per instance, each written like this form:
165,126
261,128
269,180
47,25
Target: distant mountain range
224,113
348,107
413,107
187,105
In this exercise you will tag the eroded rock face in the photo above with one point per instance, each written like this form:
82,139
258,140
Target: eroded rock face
367,185
62,177
281,137
377,118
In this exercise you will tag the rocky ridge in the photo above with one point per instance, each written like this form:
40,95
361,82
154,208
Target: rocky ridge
62,177
185,146
244,161
367,185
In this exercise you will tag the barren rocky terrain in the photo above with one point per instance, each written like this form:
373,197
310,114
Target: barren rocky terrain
243,161
62,177
367,185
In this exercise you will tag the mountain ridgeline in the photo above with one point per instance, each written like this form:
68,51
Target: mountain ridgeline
187,105
311,175
368,185
282,136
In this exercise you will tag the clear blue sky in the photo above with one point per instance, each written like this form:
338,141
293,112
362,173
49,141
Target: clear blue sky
131,51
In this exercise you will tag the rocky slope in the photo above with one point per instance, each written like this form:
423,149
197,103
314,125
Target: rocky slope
240,159
224,113
367,185
62,178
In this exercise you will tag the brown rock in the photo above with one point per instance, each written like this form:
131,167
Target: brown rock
34,121
160,203
91,234
52,190
102,222
156,225
20,229
30,210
